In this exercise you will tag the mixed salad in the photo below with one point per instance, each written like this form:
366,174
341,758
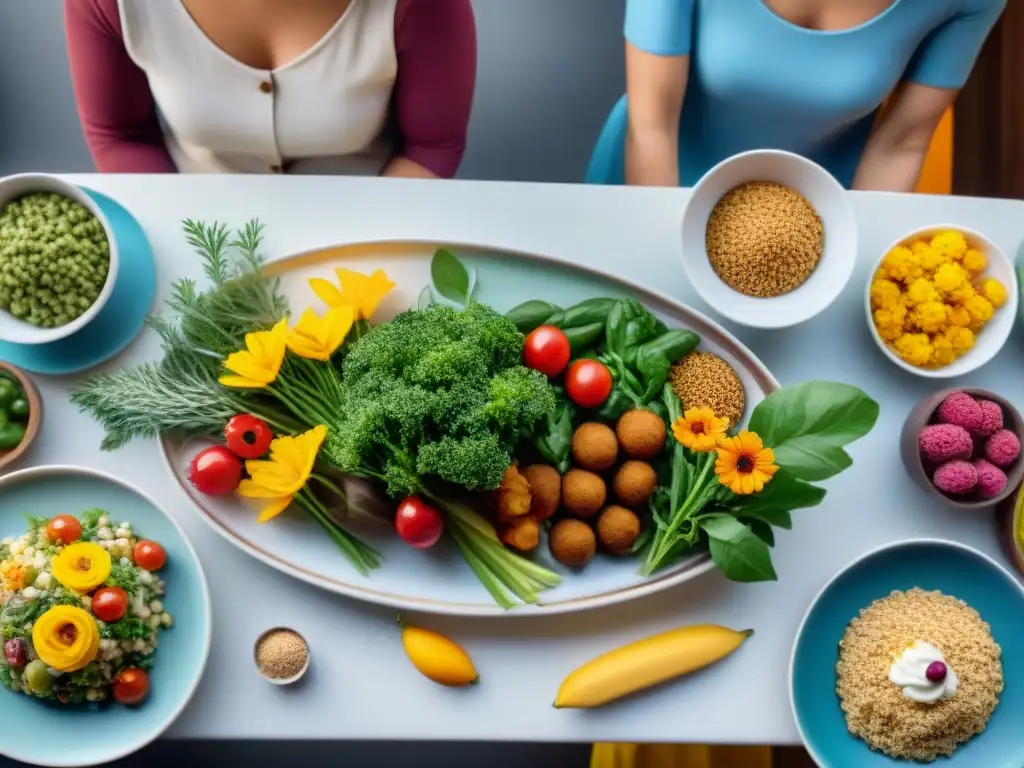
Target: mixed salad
81,606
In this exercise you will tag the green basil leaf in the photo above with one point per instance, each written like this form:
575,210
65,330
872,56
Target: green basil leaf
583,337
736,550
586,312
782,495
615,328
807,426
452,279
531,314
554,441
616,404
763,531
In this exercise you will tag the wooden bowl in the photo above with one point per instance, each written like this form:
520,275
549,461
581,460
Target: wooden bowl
35,417
921,416
1011,520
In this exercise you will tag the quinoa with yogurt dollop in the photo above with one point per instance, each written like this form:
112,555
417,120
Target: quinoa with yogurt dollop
55,646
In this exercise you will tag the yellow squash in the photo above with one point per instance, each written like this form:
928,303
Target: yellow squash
437,657
646,663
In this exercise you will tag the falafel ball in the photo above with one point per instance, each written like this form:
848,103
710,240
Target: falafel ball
641,433
617,529
594,446
634,483
545,490
572,543
583,493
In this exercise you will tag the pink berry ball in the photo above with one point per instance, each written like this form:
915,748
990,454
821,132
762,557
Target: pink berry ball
940,443
991,479
956,478
991,418
961,409
1003,448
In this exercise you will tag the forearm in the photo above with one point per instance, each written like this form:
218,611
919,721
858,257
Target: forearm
403,167
890,168
652,159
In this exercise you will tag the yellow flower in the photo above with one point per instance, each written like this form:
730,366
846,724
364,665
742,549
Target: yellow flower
994,291
82,566
980,309
942,351
280,478
743,464
930,316
914,348
962,339
902,264
975,261
361,292
699,429
920,291
258,364
66,638
959,316
317,338
950,243
885,294
949,277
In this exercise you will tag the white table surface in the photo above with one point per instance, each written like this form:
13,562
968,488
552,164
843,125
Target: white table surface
361,686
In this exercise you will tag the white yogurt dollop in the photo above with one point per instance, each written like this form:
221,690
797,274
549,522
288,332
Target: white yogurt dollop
908,672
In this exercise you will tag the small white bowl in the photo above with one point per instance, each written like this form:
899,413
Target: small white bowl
991,338
281,680
18,331
822,191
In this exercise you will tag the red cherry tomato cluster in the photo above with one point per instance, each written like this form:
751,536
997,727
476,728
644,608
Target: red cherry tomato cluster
587,382
418,524
218,470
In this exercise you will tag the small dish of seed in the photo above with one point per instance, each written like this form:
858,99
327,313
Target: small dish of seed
281,655
769,239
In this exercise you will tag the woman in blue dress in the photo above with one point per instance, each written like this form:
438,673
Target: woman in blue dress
859,86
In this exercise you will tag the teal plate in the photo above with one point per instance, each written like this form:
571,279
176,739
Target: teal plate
117,323
51,735
930,564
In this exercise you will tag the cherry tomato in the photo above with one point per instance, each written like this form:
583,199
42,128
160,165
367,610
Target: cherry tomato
64,529
131,686
248,437
109,604
418,524
588,383
149,555
546,349
215,471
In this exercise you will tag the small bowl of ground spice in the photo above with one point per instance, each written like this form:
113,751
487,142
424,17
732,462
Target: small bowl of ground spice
911,653
281,655
769,239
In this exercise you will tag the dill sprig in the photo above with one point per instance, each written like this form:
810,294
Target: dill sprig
180,394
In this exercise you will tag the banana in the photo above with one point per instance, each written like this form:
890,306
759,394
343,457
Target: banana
646,663
437,657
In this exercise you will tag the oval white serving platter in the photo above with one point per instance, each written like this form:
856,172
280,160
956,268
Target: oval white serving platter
438,581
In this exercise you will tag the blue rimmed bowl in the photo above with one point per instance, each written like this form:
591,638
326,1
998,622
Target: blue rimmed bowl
51,735
930,564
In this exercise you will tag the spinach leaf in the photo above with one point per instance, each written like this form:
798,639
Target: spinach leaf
807,426
781,496
616,404
736,550
583,337
587,312
451,278
553,440
615,329
654,359
763,531
531,314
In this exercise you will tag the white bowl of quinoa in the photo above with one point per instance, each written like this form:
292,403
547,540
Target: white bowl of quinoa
58,258
769,239
913,653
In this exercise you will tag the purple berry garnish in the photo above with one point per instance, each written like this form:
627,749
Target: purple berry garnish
936,672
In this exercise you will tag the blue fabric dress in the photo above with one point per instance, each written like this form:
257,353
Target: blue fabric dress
759,81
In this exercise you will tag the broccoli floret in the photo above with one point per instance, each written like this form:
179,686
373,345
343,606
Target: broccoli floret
436,393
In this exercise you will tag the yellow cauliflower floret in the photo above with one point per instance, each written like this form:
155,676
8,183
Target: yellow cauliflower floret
962,295
980,309
949,277
931,259
889,322
914,348
959,316
975,261
885,294
962,339
902,264
950,243
942,351
920,291
994,291
930,316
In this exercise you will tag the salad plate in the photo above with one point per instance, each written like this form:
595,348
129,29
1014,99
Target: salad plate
82,717
437,580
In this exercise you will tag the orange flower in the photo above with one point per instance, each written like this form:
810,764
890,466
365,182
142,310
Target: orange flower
744,465
699,429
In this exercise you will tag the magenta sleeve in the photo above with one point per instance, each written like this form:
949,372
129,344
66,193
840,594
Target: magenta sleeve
119,117
436,45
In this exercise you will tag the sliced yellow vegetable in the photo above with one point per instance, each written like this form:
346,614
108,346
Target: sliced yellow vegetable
437,657
82,566
647,663
66,638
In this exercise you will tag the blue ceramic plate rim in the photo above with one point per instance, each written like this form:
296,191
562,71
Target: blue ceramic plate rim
986,559
69,469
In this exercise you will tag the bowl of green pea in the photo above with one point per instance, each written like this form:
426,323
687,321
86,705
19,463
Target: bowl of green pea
58,259
21,413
